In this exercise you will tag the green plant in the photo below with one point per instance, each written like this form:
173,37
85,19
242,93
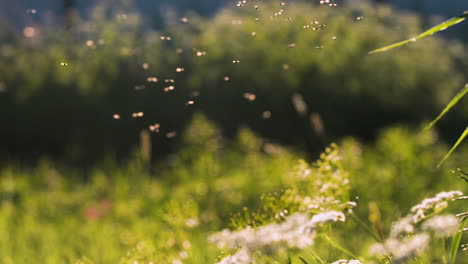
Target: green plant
440,27
451,22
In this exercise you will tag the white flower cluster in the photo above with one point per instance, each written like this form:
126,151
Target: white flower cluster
298,231
434,203
320,203
344,261
407,240
241,257
403,226
442,225
402,249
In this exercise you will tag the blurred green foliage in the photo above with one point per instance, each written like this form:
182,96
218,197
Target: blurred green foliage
127,213
319,52
61,88
404,160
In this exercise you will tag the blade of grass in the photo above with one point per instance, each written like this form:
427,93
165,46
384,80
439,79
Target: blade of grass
463,175
316,257
459,141
366,228
444,256
456,241
337,246
303,260
435,29
449,106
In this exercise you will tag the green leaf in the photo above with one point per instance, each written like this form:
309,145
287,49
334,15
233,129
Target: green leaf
456,241
449,106
435,29
459,141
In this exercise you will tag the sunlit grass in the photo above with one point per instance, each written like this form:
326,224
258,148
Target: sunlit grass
129,214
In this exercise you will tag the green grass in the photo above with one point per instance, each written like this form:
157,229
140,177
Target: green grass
437,28
122,213
440,27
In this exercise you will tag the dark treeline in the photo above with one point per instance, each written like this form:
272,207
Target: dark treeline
298,74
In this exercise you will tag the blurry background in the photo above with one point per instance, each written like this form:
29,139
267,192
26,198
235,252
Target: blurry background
74,75
131,130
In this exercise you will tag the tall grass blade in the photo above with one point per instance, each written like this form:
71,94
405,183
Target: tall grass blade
440,27
463,175
459,141
316,257
303,260
337,246
456,241
449,106
366,228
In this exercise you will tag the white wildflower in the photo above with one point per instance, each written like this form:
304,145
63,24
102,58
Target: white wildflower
183,254
298,231
434,203
344,261
233,239
402,227
378,250
303,170
191,222
322,202
241,257
186,244
442,225
404,249
331,216
412,247
177,261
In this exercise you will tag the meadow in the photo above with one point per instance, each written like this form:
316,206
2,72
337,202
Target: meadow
262,134
171,212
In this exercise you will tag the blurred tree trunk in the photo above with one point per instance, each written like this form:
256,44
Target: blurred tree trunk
70,13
